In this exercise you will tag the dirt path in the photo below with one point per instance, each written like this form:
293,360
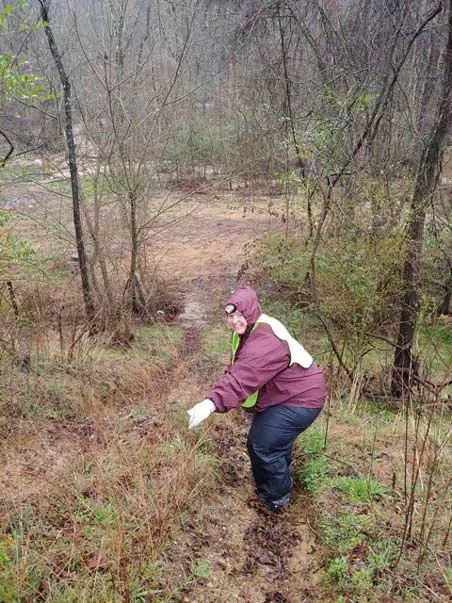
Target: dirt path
248,556
236,552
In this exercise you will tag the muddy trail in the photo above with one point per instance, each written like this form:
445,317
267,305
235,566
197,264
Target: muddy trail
226,549
235,550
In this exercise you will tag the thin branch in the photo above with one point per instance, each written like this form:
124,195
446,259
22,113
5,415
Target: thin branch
9,153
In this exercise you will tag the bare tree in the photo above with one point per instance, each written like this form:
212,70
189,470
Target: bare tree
72,161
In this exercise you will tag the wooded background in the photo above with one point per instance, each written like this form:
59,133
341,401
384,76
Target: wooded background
343,107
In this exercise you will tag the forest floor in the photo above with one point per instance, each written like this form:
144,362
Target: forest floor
226,550
99,473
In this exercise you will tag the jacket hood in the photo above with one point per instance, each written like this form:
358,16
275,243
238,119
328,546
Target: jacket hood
246,301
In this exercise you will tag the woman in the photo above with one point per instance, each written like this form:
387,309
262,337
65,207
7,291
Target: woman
272,375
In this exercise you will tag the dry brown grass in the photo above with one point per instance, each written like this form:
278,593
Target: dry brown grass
91,495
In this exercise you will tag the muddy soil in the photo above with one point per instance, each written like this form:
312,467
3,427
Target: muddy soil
250,555
236,551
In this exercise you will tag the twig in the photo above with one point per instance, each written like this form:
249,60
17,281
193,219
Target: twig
9,153
314,531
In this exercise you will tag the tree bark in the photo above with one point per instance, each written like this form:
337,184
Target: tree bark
72,162
134,255
445,306
429,168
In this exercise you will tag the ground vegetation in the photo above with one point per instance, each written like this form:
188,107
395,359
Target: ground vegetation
153,157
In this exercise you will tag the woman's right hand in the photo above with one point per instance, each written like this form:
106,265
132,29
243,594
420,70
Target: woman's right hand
199,412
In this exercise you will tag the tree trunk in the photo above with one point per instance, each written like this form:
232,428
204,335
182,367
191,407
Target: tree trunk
72,161
404,367
99,255
135,298
445,307
289,116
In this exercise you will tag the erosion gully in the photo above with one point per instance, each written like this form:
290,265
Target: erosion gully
230,550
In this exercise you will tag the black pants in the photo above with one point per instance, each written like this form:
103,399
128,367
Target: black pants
270,442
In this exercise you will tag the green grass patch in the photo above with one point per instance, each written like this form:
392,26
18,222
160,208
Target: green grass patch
360,510
314,474
19,172
200,569
313,469
159,339
217,340
345,531
357,489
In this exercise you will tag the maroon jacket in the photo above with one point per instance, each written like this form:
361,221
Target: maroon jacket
262,362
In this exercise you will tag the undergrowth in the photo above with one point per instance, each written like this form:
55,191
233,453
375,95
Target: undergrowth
357,488
99,471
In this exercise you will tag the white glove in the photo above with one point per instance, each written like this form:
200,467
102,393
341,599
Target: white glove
199,412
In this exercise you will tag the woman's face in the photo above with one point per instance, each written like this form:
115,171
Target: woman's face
237,322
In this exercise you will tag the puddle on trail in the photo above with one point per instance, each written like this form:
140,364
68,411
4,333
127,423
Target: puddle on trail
194,312
204,298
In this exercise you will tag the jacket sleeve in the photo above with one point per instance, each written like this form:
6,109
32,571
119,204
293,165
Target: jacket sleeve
261,358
